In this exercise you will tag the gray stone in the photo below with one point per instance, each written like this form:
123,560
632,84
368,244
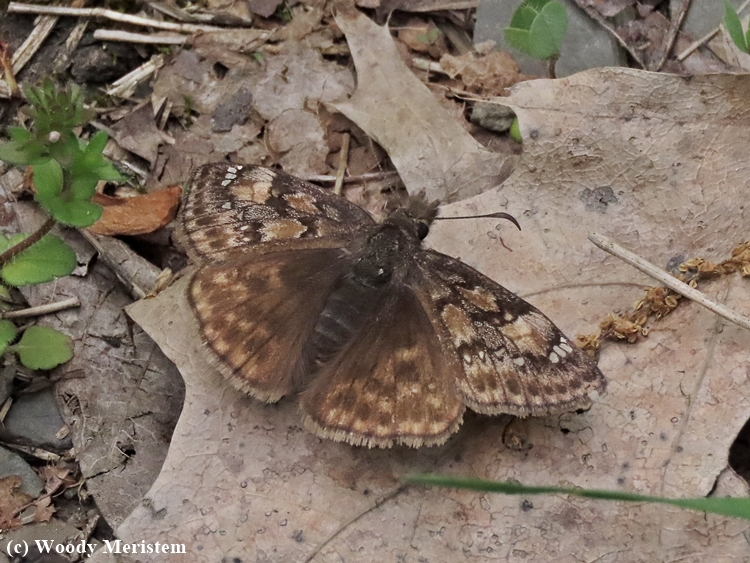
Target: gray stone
702,16
13,464
492,116
35,418
586,45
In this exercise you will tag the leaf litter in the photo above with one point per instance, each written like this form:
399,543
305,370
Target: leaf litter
242,479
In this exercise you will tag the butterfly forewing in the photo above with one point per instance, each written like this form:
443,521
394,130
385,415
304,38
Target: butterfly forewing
256,315
512,358
230,209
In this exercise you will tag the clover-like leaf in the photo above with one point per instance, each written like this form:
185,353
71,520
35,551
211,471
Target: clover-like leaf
7,333
42,347
538,28
43,261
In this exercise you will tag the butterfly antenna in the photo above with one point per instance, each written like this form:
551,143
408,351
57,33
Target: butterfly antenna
498,215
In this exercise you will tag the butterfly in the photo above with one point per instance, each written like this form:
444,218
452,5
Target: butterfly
383,341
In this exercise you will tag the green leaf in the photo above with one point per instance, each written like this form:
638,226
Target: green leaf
23,148
515,131
42,347
548,31
48,178
71,212
734,27
7,334
43,261
734,507
538,28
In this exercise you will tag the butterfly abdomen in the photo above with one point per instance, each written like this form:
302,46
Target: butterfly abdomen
350,305
376,260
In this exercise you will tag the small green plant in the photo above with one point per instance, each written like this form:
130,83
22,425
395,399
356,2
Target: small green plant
734,507
734,28
538,28
66,171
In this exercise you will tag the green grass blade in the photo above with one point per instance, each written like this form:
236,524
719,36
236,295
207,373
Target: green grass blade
734,507
734,27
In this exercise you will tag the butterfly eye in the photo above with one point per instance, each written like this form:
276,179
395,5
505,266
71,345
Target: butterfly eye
422,230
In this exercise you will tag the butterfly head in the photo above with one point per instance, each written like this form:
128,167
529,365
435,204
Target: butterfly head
417,214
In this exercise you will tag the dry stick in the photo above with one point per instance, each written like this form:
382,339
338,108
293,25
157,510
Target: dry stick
27,242
671,282
125,85
145,38
40,310
597,17
71,43
20,8
343,157
5,408
366,177
674,30
23,54
706,38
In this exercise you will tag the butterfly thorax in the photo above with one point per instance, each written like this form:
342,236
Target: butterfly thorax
379,258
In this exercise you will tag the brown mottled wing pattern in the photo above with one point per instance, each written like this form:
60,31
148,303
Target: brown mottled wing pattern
230,209
511,358
270,245
256,315
391,384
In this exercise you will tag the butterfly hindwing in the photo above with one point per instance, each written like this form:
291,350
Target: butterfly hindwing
512,358
391,384
231,210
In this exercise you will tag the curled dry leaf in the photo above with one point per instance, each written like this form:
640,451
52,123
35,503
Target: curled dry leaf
429,147
11,501
136,215
43,509
489,74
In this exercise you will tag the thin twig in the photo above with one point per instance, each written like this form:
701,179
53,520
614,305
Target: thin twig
71,43
145,38
597,17
125,85
674,30
13,251
38,453
40,310
706,38
21,8
5,408
671,282
367,177
343,158
31,44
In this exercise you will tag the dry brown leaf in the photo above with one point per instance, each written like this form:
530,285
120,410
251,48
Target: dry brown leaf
488,74
423,37
430,149
11,501
243,480
138,133
43,509
136,215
